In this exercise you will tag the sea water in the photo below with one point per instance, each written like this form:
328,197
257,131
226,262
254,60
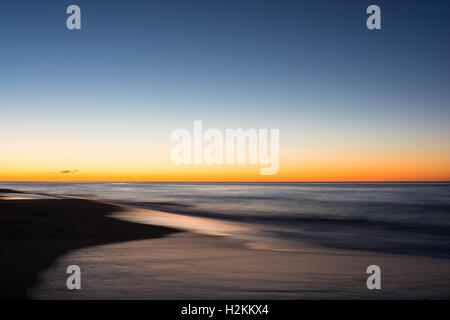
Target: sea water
399,218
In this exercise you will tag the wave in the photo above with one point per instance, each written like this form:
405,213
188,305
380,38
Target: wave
296,220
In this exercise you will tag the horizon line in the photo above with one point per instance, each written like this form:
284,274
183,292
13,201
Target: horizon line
223,181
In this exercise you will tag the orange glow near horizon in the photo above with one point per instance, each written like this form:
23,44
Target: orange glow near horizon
126,161
287,173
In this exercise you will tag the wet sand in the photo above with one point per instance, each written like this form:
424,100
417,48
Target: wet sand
194,266
121,259
33,233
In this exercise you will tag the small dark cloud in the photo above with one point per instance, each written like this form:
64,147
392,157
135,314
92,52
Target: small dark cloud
69,171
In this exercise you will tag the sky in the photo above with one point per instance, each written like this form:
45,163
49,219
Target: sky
100,103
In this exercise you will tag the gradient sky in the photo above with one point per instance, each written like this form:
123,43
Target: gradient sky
351,104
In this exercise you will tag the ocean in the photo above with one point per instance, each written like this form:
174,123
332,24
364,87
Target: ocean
408,218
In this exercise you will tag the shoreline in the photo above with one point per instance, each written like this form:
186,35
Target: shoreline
192,266
34,233
126,259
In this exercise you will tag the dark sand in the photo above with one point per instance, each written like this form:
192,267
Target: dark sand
33,233
122,259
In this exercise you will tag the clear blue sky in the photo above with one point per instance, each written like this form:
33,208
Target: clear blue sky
293,65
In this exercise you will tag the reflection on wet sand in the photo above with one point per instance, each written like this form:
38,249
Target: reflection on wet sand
193,266
22,196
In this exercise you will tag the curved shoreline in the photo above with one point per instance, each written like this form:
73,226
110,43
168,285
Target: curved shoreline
34,233
40,237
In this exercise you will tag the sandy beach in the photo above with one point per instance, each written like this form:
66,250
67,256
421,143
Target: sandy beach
192,266
33,233
126,260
